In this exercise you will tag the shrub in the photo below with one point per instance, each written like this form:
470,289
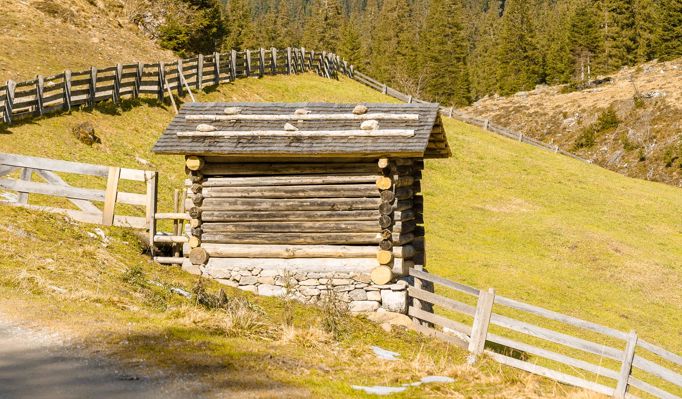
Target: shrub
333,313
607,120
585,139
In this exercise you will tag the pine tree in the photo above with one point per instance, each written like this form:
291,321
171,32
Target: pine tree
350,45
444,52
585,39
619,34
201,30
671,32
483,62
323,28
520,61
393,42
241,35
647,29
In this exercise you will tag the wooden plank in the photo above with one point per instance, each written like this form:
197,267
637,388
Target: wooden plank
273,61
10,89
6,170
552,374
233,65
245,216
439,320
247,66
444,282
216,68
292,180
379,116
170,239
441,336
289,251
261,62
93,87
49,189
110,196
307,191
168,260
299,204
26,174
52,178
667,355
479,331
85,217
283,169
150,209
557,357
293,238
200,72
556,337
218,267
292,227
40,89
116,94
650,389
626,366
172,216
438,300
301,133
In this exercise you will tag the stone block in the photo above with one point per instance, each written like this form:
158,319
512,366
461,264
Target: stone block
248,280
228,282
342,281
266,280
270,273
310,281
309,291
363,306
249,288
271,290
373,295
358,295
394,301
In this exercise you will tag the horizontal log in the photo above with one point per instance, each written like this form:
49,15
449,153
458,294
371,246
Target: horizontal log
439,320
69,192
222,267
301,133
171,239
305,117
307,204
438,300
287,180
217,169
451,339
291,227
318,191
293,238
168,260
275,216
171,216
299,251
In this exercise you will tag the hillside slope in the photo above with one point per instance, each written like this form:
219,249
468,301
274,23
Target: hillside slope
48,36
115,300
647,140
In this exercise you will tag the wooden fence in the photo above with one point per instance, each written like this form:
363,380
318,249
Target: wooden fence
595,363
110,177
62,92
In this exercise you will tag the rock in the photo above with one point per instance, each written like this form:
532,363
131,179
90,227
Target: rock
244,273
248,280
363,306
310,291
271,290
381,316
142,161
232,110
394,301
269,273
363,278
360,109
256,271
181,292
342,281
373,295
289,127
249,288
266,280
188,267
204,127
310,281
358,295
369,125
301,111
399,286
85,133
229,283
343,288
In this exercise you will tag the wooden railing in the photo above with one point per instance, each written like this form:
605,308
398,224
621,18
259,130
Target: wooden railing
561,356
81,198
63,92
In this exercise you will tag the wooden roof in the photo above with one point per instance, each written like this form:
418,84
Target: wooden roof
305,130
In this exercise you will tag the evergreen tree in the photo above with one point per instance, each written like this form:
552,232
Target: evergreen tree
324,26
619,34
393,43
520,61
241,35
444,52
483,62
201,30
585,39
350,45
647,29
671,32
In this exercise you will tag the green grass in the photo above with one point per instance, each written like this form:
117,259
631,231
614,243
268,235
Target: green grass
538,227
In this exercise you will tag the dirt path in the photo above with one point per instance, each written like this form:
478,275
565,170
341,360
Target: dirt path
36,365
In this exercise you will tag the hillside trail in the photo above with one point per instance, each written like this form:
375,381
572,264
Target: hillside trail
37,364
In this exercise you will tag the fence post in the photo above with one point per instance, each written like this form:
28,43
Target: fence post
110,196
138,80
479,331
261,62
152,186
521,137
67,90
162,80
626,367
486,124
274,60
556,149
409,99
40,87
9,100
247,66
200,72
181,79
289,60
93,86
452,110
116,94
26,174
384,89
233,65
216,65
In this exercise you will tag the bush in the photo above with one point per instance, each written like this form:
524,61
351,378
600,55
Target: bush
607,120
585,139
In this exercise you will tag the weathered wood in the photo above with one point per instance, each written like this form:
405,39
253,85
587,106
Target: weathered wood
85,217
273,61
195,241
381,275
161,74
648,388
384,183
247,63
170,239
233,65
382,163
66,97
212,169
150,209
387,196
386,244
545,372
293,180
309,117
181,79
168,260
93,87
194,163
385,221
441,336
438,320
216,68
291,227
438,300
298,204
657,370
479,331
40,88
626,366
199,256
384,257
26,174
308,191
293,238
444,282
111,196
300,133
200,72
275,216
222,267
261,62
294,251
667,355
172,216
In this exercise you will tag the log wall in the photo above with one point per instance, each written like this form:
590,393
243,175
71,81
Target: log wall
352,226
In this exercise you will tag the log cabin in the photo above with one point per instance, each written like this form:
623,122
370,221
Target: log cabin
307,198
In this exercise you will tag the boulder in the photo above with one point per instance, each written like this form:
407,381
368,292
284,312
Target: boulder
85,133
358,295
271,290
394,301
363,306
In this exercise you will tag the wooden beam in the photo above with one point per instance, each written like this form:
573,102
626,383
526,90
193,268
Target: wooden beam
479,331
67,91
200,72
305,191
297,204
162,82
40,88
233,65
116,92
216,68
301,133
26,174
222,267
292,180
181,79
93,87
110,196
305,117
291,227
293,238
294,251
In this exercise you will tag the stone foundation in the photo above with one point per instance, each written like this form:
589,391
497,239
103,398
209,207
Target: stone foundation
354,289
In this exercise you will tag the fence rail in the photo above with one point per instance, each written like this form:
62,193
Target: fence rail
82,198
606,361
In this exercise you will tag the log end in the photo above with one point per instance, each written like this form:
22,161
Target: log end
381,275
384,257
194,242
198,256
194,163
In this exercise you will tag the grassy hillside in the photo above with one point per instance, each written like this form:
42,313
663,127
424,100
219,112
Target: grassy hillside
47,36
117,301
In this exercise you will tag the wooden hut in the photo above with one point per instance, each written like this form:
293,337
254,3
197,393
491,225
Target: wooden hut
311,196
